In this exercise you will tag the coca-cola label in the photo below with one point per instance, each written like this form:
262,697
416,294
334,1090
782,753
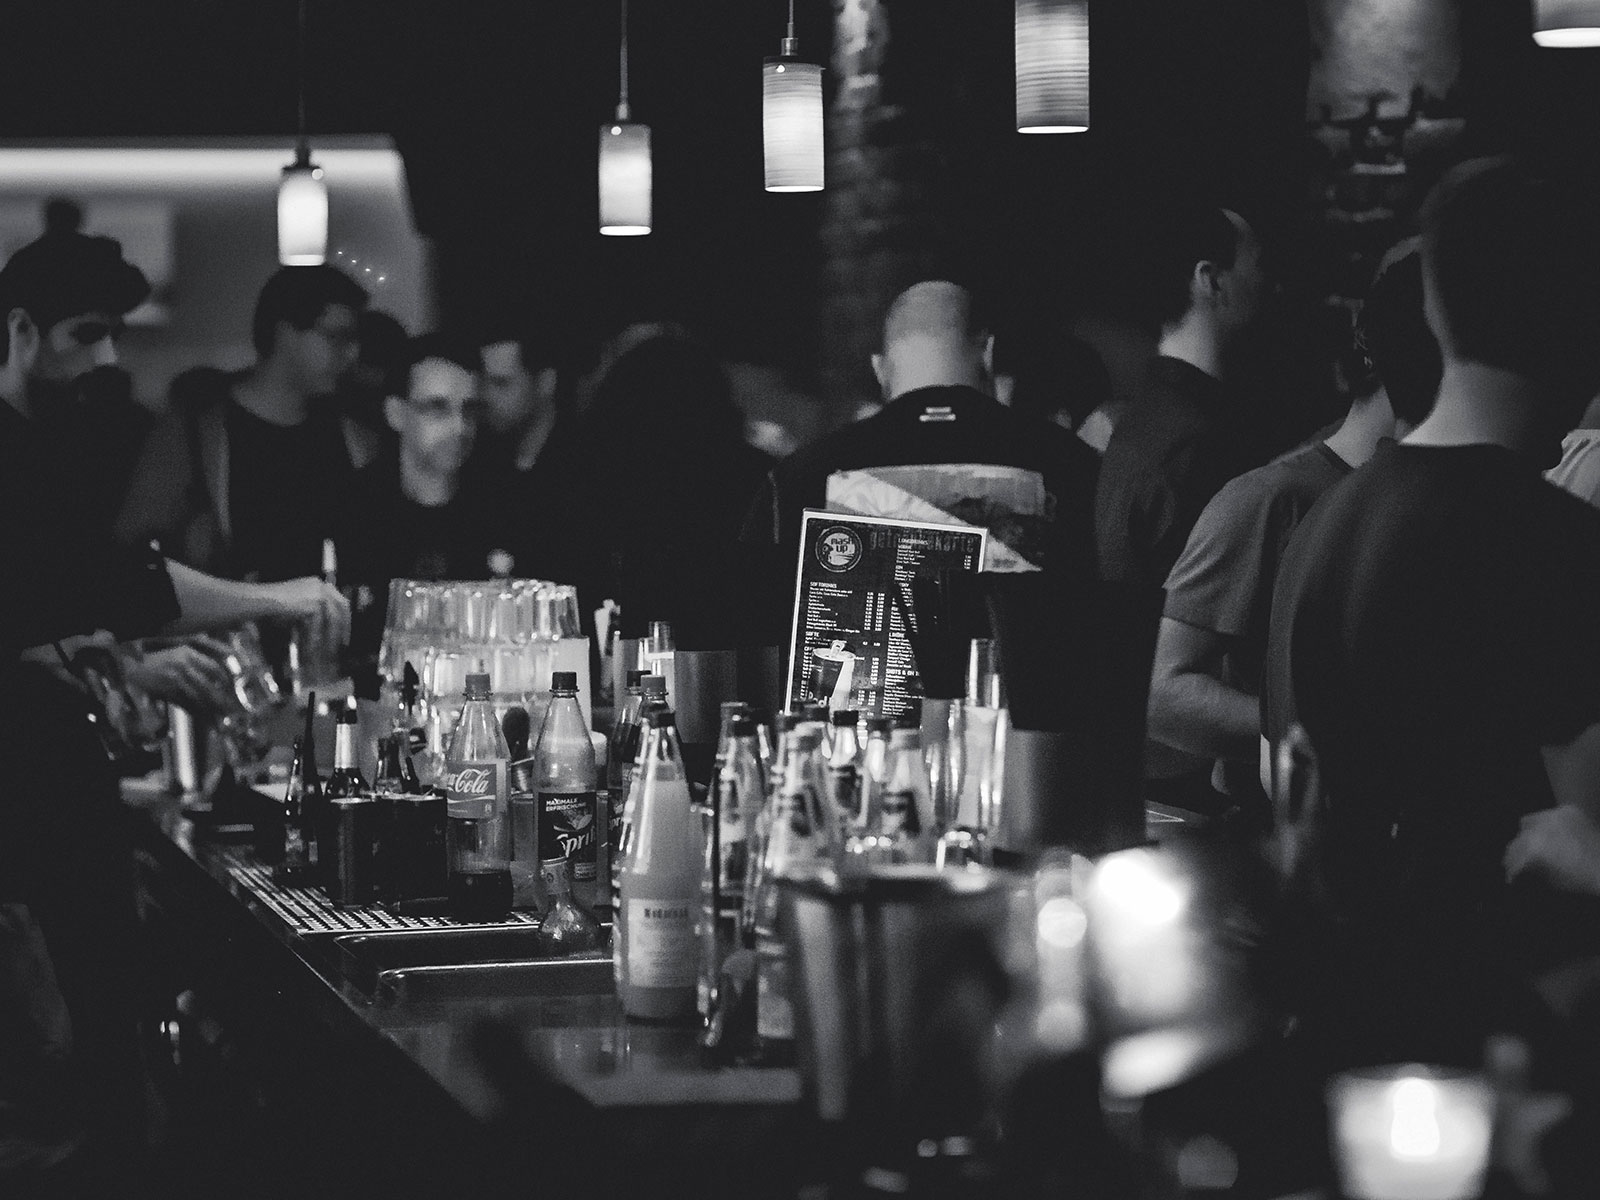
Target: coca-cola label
567,826
476,790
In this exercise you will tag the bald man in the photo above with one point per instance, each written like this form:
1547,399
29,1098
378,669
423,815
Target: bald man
941,449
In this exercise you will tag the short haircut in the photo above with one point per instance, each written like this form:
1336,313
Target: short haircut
533,346
66,274
1512,264
296,296
1177,242
385,345
1392,330
463,352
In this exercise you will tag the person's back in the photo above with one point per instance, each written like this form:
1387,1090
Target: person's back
1433,627
944,449
1186,434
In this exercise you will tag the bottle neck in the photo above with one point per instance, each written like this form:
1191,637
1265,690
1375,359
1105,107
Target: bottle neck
344,746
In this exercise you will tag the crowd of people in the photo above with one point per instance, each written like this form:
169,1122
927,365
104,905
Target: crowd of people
1408,590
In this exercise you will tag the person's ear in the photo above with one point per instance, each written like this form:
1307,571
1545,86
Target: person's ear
392,406
25,337
1205,285
879,372
988,355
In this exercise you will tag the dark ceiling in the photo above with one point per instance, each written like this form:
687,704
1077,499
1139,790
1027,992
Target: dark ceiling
496,105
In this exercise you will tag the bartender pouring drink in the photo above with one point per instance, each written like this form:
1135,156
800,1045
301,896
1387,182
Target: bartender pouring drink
71,1096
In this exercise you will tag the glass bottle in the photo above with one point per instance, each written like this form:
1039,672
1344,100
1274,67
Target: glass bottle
944,742
478,829
756,836
653,693
298,834
844,768
738,793
874,774
906,803
797,844
653,944
565,771
658,654
349,837
567,927
393,777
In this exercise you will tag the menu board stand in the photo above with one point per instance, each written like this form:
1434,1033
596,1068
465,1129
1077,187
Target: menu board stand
848,646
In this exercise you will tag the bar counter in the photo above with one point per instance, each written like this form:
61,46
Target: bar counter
301,1067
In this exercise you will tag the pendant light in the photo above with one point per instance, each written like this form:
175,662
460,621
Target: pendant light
1052,66
625,172
1565,23
302,194
791,118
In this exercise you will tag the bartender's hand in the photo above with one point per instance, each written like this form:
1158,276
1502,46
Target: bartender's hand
191,675
1560,844
310,599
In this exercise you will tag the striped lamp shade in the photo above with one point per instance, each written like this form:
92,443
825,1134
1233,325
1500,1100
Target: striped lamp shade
1052,66
1566,22
302,214
625,179
791,125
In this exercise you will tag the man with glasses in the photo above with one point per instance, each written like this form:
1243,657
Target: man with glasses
422,510
243,476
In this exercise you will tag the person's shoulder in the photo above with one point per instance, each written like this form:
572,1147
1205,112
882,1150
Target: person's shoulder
198,388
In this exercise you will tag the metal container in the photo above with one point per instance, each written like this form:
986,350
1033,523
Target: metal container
898,981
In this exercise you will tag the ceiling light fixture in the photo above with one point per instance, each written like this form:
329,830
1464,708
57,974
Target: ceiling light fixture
626,177
791,118
1566,23
302,193
1052,66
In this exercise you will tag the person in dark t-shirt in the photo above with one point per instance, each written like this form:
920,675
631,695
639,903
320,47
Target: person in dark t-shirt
242,476
428,509
1209,654
1186,434
1434,633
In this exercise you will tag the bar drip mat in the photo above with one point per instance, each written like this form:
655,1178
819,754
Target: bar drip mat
308,909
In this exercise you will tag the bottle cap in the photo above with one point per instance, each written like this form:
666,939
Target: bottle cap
787,721
564,681
347,712
742,727
653,685
814,712
845,716
879,724
662,718
635,675
477,686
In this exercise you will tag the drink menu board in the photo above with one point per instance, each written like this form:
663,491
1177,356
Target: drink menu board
848,648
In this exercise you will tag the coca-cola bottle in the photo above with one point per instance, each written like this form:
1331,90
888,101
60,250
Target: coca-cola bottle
653,943
564,766
478,829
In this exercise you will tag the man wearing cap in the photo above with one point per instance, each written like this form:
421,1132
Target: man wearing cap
68,941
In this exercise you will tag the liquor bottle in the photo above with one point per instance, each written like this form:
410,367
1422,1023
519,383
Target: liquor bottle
653,943
737,795
568,927
797,844
569,825
299,840
874,774
844,768
348,837
623,745
478,829
905,805
312,802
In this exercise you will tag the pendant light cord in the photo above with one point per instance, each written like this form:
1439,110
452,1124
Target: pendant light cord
622,91
300,80
791,44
